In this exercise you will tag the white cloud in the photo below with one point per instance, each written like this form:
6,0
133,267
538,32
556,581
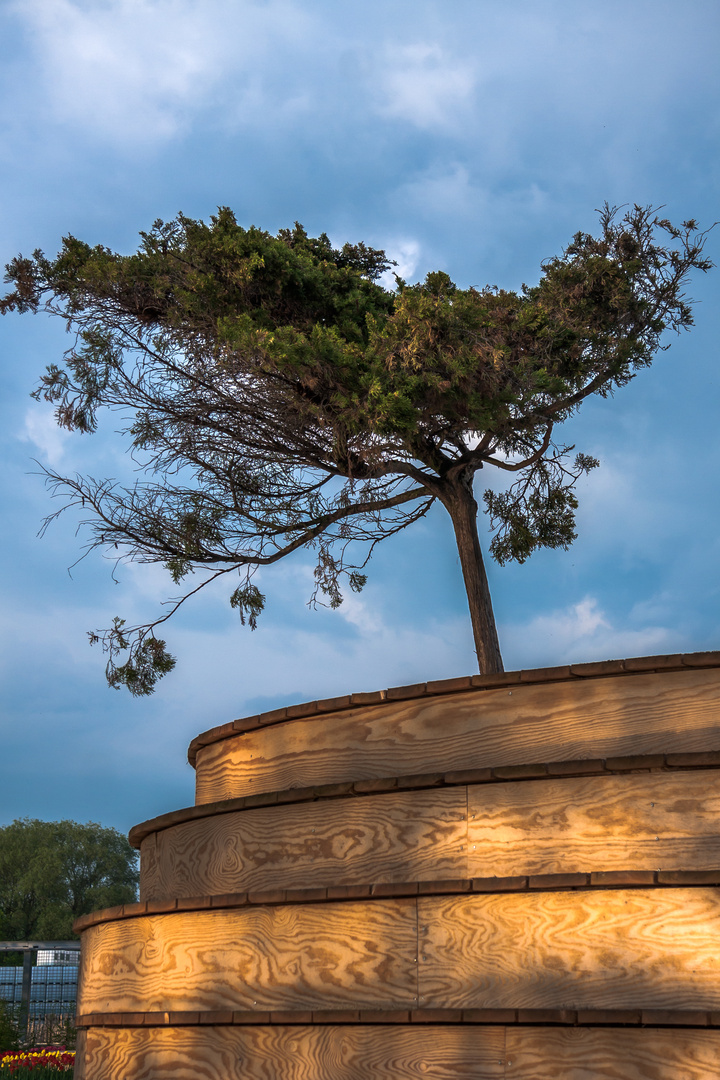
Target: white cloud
140,70
358,613
580,633
292,665
425,86
42,431
125,68
223,668
406,253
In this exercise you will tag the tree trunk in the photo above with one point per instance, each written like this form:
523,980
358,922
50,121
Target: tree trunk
458,499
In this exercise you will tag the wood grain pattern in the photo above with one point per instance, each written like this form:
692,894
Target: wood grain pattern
619,949
354,955
389,1053
653,821
663,712
402,836
295,1053
611,1054
82,1062
657,821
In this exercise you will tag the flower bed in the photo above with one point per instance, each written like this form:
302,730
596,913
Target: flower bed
40,1064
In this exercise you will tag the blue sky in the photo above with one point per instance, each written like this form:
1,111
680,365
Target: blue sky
474,137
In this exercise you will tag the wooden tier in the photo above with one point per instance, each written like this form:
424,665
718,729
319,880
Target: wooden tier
624,948
517,877
640,821
390,1052
636,948
580,719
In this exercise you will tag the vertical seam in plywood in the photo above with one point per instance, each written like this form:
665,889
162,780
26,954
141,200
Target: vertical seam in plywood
417,953
467,832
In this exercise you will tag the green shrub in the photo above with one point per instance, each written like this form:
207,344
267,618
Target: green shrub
9,1035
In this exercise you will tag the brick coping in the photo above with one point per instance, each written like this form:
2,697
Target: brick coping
568,673
552,770
532,883
694,1018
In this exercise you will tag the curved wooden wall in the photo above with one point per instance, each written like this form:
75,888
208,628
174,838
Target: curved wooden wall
511,877
580,718
470,1052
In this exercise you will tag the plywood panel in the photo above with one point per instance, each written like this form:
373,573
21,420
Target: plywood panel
298,957
151,883
389,1052
82,1064
611,1054
403,836
620,949
650,821
583,719
295,1053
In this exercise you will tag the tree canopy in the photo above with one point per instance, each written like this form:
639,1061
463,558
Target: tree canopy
51,872
276,396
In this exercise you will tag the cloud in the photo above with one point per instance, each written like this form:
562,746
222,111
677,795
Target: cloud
281,665
580,633
42,431
527,95
359,614
444,189
450,191
224,670
425,86
139,71
406,253
125,69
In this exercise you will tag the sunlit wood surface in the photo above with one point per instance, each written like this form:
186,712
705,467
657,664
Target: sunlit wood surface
295,1053
642,821
611,1054
403,836
392,1053
595,718
596,949
446,913
621,948
297,957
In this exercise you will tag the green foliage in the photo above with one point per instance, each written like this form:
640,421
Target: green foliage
533,515
146,662
51,872
281,398
249,602
34,1072
9,1034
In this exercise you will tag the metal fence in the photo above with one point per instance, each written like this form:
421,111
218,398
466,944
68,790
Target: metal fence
53,989
41,996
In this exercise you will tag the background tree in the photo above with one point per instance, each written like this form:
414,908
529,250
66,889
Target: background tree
277,397
51,872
